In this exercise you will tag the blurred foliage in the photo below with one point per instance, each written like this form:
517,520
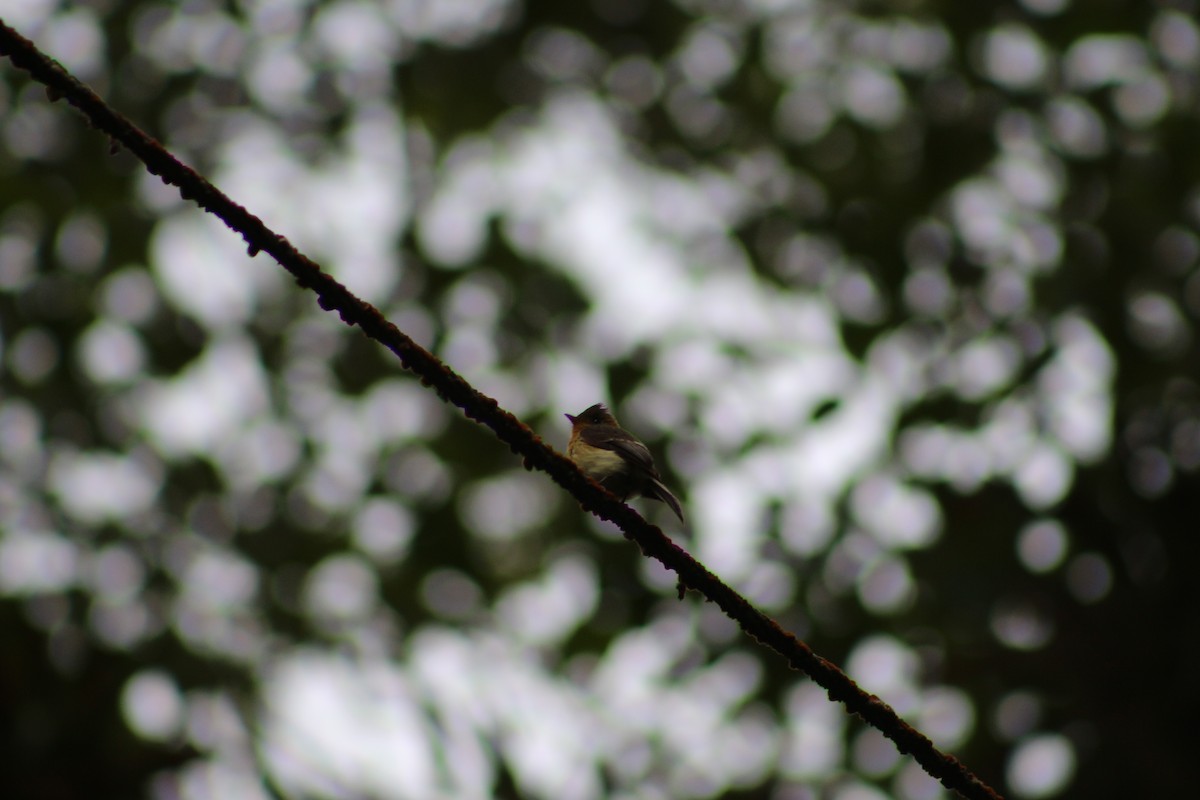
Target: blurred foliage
902,293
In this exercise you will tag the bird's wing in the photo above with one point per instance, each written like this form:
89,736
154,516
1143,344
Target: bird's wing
620,442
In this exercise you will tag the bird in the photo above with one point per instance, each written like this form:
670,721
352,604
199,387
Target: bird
614,458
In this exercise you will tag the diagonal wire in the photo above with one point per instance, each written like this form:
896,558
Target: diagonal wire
452,388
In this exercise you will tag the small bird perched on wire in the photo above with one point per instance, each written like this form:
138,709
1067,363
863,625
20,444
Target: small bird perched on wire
614,458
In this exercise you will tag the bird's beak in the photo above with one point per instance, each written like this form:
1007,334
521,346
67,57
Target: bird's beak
568,416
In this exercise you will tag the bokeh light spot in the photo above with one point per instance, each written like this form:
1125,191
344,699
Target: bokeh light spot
152,705
341,588
1014,57
1089,577
1041,766
1016,714
1019,625
1042,545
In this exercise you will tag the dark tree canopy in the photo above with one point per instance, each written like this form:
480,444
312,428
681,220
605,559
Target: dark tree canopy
902,296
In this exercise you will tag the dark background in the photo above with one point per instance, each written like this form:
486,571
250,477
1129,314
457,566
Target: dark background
1008,193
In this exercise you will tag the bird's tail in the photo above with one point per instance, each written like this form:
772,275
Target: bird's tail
661,492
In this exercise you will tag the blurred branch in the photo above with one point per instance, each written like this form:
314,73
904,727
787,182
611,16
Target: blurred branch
452,388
